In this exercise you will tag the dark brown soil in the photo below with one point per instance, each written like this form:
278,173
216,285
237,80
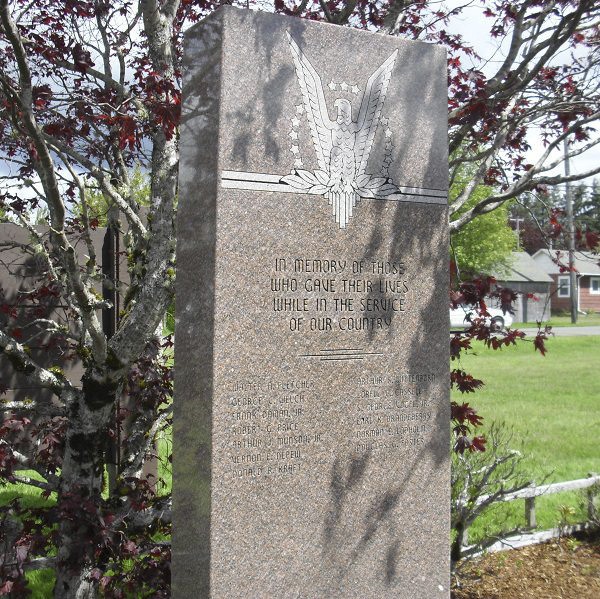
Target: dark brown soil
560,569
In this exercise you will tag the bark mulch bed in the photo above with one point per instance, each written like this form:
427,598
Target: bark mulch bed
560,569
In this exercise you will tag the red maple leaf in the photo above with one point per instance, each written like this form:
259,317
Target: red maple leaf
465,383
465,413
478,443
539,344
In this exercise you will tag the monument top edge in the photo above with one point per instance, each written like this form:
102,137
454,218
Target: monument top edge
226,11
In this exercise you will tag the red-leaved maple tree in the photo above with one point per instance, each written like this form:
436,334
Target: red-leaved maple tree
89,96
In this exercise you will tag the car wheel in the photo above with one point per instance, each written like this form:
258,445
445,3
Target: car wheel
497,323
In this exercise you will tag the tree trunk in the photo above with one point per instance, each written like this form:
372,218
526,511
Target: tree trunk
75,585
457,544
81,486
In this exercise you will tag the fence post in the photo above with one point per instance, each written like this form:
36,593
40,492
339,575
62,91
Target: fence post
530,512
591,492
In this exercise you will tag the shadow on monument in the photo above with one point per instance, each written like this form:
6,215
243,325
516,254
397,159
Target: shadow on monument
415,229
192,445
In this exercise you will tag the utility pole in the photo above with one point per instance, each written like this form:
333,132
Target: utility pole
571,225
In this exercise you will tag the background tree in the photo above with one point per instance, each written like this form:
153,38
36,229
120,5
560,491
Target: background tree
485,244
542,218
532,215
90,89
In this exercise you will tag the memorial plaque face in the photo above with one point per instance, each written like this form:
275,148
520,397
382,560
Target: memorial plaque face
312,409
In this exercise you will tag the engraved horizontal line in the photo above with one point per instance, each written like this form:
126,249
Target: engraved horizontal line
267,182
244,176
329,359
414,199
344,349
258,186
340,353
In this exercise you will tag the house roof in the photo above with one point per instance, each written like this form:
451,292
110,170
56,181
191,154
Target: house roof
586,263
523,269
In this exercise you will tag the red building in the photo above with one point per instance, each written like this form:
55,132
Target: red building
587,267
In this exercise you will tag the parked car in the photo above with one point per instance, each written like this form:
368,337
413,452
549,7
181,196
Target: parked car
462,316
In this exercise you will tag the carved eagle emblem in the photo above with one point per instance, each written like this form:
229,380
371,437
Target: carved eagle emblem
342,145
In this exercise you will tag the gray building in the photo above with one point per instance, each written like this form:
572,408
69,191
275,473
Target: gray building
532,284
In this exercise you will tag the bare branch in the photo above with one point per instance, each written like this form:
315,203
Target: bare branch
38,407
39,563
45,168
326,11
151,296
22,363
161,512
25,99
142,444
32,482
103,181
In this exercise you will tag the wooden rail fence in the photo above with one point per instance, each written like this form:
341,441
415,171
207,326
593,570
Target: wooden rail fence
529,494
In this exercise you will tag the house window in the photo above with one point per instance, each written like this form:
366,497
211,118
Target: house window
564,287
594,285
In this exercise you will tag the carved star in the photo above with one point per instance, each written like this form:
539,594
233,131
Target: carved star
293,134
344,86
294,149
388,132
298,162
332,85
355,89
295,122
299,108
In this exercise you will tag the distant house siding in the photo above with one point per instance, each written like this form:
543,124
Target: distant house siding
536,308
559,303
588,300
589,293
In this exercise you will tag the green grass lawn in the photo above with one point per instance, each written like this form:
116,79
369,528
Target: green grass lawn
553,404
587,320
41,582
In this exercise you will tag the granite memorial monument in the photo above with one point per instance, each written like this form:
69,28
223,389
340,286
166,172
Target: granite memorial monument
311,435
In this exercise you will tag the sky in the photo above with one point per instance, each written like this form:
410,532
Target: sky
474,28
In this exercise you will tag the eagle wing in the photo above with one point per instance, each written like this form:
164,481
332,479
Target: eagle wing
370,112
314,104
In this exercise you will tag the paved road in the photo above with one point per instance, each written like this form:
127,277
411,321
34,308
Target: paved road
568,331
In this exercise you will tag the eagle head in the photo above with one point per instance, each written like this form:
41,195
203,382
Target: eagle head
344,111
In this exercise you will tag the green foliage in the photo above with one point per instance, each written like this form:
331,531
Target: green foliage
169,321
41,583
98,204
485,244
